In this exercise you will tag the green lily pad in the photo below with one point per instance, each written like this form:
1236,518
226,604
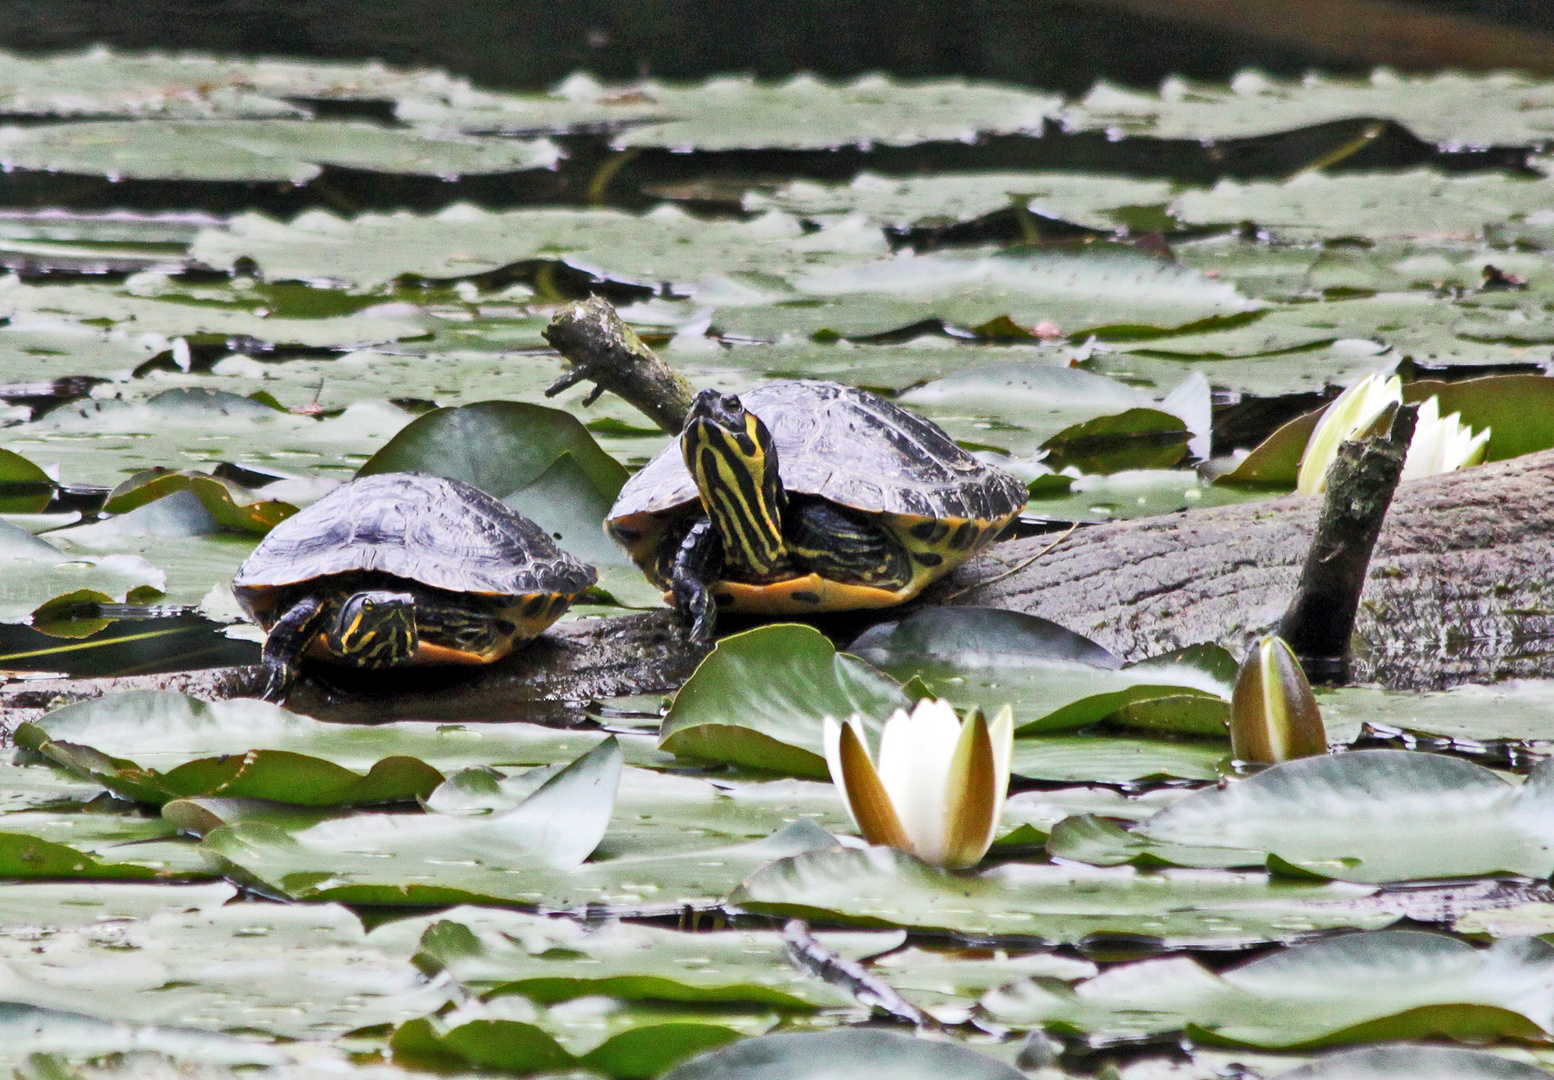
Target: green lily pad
1370,815
664,245
1114,760
162,730
760,697
1387,985
548,960
1448,107
433,858
482,1036
542,462
26,1030
25,857
101,82
35,571
1136,439
285,150
1184,909
179,955
24,488
229,504
1089,200
1414,1063
276,775
831,1055
1517,710
727,113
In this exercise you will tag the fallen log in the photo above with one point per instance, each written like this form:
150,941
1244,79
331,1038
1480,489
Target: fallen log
1460,586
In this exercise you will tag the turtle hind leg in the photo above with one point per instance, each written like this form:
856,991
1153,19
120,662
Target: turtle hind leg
283,645
842,547
697,564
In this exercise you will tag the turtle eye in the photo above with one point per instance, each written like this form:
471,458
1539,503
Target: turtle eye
369,605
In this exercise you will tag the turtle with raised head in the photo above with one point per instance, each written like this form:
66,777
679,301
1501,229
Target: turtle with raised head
403,568
806,496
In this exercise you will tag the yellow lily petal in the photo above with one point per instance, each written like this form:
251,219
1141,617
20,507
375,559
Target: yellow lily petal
866,796
972,796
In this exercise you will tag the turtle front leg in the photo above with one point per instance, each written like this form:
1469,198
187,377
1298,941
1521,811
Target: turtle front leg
283,646
697,565
840,547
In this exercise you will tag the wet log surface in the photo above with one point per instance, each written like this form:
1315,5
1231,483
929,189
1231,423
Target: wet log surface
1460,586
1460,589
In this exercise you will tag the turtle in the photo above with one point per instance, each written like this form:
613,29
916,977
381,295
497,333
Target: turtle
806,496
403,568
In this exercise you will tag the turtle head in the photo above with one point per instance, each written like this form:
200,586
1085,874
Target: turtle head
374,628
731,457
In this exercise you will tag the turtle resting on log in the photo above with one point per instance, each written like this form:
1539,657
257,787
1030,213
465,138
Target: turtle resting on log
1459,588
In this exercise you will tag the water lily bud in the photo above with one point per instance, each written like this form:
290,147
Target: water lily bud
1273,713
1356,409
1442,444
940,785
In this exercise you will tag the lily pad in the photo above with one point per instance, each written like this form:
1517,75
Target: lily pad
1451,107
1182,908
1370,815
1388,985
276,775
277,150
35,571
549,960
1414,1063
24,488
760,697
663,245
27,1030
728,113
542,462
163,730
836,1055
229,504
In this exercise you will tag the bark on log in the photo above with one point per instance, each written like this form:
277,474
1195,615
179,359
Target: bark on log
1460,586
552,680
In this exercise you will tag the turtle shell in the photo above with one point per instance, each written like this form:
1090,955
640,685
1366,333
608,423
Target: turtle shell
857,450
441,533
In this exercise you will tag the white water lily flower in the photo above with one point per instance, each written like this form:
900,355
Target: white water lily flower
940,786
1442,444
1356,409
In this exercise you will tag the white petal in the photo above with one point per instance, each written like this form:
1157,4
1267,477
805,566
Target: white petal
1001,735
1350,413
1442,444
914,766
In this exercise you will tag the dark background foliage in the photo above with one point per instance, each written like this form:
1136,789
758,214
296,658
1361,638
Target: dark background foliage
1061,44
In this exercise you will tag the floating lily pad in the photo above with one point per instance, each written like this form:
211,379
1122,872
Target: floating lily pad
549,960
172,955
760,697
35,571
276,775
277,150
663,245
833,1054
1449,107
881,887
1089,200
71,1035
1415,1063
1388,985
737,112
24,488
1370,815
229,504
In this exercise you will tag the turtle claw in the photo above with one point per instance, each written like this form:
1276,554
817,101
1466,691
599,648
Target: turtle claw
277,683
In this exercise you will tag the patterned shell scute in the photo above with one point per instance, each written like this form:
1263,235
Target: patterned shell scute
853,448
443,533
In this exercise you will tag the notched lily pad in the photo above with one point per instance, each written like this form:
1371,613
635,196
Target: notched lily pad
275,775
1369,815
230,504
1387,985
760,697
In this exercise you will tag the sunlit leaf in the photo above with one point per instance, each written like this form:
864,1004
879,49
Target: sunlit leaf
822,1055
